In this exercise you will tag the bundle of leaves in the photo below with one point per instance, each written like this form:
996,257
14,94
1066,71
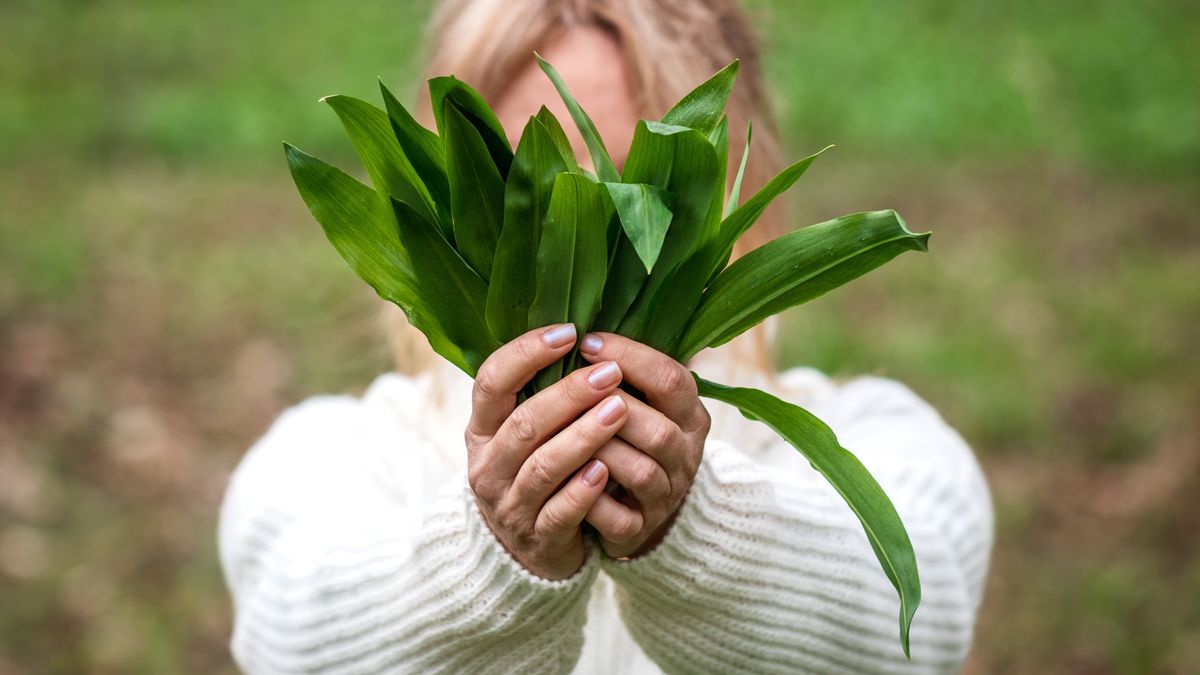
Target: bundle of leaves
479,244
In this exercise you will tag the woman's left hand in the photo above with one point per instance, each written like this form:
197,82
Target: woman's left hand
656,454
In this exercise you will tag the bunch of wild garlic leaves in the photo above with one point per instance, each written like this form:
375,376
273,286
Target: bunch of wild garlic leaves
478,244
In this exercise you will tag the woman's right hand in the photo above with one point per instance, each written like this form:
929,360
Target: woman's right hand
518,457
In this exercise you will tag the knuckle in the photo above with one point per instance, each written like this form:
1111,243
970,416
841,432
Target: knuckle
554,521
705,420
644,472
624,528
471,441
522,427
670,377
475,476
584,435
522,349
577,387
485,388
541,477
484,487
661,438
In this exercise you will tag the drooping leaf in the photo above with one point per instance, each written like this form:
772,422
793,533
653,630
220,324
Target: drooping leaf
477,112
425,152
526,198
644,215
571,262
559,137
449,287
476,191
817,442
794,269
736,223
359,223
606,171
735,193
390,170
701,109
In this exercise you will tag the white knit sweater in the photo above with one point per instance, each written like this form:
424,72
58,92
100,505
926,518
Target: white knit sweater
351,543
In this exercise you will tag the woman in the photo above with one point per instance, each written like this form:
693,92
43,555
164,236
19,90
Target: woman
361,536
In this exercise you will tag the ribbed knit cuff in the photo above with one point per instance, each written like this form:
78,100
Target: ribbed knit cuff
490,550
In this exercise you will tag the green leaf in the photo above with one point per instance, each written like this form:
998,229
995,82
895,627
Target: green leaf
719,137
477,111
449,287
696,179
817,442
559,137
735,193
571,262
526,198
736,223
424,151
476,191
380,152
794,269
701,108
360,225
644,215
606,171
651,156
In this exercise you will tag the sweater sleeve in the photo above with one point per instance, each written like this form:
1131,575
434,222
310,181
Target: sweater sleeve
338,562
766,570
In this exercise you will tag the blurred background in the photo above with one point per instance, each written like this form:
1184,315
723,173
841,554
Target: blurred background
164,294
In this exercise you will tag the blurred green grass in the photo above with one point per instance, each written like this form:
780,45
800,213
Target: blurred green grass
163,294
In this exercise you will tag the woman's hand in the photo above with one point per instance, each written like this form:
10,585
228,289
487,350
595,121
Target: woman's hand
658,450
520,456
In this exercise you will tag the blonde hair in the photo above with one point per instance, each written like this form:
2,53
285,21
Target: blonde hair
668,46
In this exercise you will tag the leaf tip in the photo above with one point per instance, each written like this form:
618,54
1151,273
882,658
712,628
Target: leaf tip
922,242
919,240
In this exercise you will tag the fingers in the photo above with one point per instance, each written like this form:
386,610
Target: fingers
651,432
668,385
636,471
615,521
560,518
542,473
507,370
546,412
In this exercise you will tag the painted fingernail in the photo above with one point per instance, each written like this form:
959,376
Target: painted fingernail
559,335
591,344
591,475
610,410
605,376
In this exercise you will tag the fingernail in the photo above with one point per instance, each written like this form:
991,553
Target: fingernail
559,335
591,475
591,344
610,410
605,376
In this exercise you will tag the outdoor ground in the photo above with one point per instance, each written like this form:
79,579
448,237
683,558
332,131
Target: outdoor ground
164,294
